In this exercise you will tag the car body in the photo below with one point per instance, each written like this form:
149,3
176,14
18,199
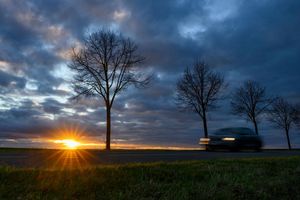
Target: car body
236,138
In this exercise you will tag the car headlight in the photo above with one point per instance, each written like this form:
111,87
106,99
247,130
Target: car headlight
204,140
228,139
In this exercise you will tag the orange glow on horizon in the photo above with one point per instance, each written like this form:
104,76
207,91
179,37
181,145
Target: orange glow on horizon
72,136
73,144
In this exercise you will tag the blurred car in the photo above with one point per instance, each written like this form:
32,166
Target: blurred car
232,139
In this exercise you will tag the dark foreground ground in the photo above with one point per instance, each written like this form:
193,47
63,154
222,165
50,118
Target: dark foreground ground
247,178
85,158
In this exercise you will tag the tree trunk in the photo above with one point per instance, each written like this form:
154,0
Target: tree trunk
205,125
288,138
255,126
108,128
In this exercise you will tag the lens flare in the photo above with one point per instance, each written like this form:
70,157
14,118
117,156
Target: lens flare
65,159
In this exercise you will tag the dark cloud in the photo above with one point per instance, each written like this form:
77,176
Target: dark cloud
52,106
9,81
257,40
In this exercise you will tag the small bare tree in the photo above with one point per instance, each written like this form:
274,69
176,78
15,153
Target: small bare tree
282,114
105,66
199,89
297,116
250,100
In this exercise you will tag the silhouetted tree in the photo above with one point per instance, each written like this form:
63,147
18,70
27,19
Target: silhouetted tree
282,114
297,116
105,66
250,100
199,90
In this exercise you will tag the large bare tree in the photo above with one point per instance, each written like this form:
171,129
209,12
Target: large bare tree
106,65
199,90
250,100
282,114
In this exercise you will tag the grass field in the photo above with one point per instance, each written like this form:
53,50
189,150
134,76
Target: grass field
271,178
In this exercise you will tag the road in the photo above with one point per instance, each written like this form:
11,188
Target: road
85,158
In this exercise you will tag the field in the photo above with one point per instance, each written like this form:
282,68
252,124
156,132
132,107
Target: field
250,178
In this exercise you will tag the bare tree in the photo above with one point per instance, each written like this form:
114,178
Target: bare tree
250,100
297,116
199,89
282,114
105,66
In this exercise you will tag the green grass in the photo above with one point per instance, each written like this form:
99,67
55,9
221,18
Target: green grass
270,178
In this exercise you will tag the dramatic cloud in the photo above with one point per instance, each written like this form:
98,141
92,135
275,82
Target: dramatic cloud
257,40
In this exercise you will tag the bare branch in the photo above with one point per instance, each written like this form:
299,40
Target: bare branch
107,64
199,90
250,100
282,114
296,119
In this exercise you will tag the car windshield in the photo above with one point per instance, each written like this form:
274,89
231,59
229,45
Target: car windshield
239,131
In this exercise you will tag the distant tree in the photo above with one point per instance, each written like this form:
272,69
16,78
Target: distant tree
250,100
199,90
297,116
106,65
282,114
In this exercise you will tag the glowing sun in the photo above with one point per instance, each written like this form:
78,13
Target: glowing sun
69,143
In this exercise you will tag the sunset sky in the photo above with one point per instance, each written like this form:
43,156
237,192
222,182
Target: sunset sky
257,39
